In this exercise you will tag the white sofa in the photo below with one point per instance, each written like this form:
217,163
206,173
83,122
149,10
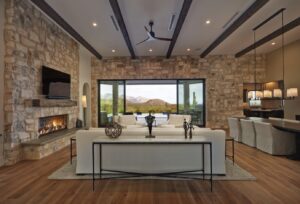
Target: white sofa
168,157
129,121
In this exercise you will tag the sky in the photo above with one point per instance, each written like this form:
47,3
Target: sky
161,91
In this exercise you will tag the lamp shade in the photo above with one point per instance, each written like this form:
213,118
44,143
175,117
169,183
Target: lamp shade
250,94
292,92
255,94
277,93
267,94
259,94
83,101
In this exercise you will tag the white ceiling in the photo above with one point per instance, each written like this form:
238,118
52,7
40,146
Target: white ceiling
243,36
195,34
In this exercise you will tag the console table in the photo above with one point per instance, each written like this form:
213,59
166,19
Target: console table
155,141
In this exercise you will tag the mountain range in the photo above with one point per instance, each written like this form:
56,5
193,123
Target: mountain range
140,100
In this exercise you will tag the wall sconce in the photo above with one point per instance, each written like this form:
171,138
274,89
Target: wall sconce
84,105
83,101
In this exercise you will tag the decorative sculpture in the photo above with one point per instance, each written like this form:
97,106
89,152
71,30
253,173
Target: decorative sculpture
188,127
150,119
113,130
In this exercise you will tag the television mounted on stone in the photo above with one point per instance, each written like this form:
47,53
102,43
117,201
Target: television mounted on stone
55,84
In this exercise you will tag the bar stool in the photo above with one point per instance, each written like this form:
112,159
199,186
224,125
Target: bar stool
228,139
72,140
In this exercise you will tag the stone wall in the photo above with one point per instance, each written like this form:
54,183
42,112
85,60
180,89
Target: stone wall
224,79
32,40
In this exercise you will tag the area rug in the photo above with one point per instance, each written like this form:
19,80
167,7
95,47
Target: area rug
233,173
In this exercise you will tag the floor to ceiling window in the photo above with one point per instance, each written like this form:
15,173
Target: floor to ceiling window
161,97
111,100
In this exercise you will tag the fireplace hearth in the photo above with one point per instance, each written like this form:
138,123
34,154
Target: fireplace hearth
52,124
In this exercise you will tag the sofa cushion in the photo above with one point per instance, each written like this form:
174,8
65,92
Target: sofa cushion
175,120
127,120
167,126
135,126
116,119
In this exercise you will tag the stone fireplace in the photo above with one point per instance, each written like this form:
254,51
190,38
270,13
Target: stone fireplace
51,124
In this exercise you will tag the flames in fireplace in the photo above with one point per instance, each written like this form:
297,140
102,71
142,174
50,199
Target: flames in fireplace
52,124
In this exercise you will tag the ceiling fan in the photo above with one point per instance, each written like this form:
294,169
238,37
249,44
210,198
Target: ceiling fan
151,35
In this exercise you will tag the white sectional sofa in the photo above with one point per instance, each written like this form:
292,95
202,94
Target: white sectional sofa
153,158
129,121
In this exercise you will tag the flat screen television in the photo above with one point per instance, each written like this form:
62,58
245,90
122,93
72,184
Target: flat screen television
56,84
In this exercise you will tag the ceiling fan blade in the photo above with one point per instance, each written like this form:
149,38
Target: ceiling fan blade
143,41
146,28
164,39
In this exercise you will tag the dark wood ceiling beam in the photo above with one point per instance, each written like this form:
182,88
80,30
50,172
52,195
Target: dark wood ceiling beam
270,37
183,13
258,4
48,10
117,12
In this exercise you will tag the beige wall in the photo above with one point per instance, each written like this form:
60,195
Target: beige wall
84,77
1,77
292,74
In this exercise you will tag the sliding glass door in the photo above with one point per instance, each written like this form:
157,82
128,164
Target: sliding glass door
191,100
111,100
162,97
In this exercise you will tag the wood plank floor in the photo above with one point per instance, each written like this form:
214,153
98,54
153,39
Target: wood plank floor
278,181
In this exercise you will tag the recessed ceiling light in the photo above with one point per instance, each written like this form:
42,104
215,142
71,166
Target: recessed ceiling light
189,49
113,50
273,43
207,21
150,50
94,24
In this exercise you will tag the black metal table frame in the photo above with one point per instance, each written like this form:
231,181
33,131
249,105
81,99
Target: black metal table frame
72,139
228,139
126,174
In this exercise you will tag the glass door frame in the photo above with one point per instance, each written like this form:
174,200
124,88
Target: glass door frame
177,93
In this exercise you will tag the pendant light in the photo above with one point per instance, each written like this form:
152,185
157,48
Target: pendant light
291,93
256,95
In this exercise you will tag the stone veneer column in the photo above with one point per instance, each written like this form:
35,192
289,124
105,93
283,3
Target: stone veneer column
32,40
224,76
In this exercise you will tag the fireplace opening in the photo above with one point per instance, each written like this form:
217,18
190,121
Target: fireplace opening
52,124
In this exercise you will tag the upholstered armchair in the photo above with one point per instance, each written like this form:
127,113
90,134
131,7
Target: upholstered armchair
248,132
274,141
235,129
